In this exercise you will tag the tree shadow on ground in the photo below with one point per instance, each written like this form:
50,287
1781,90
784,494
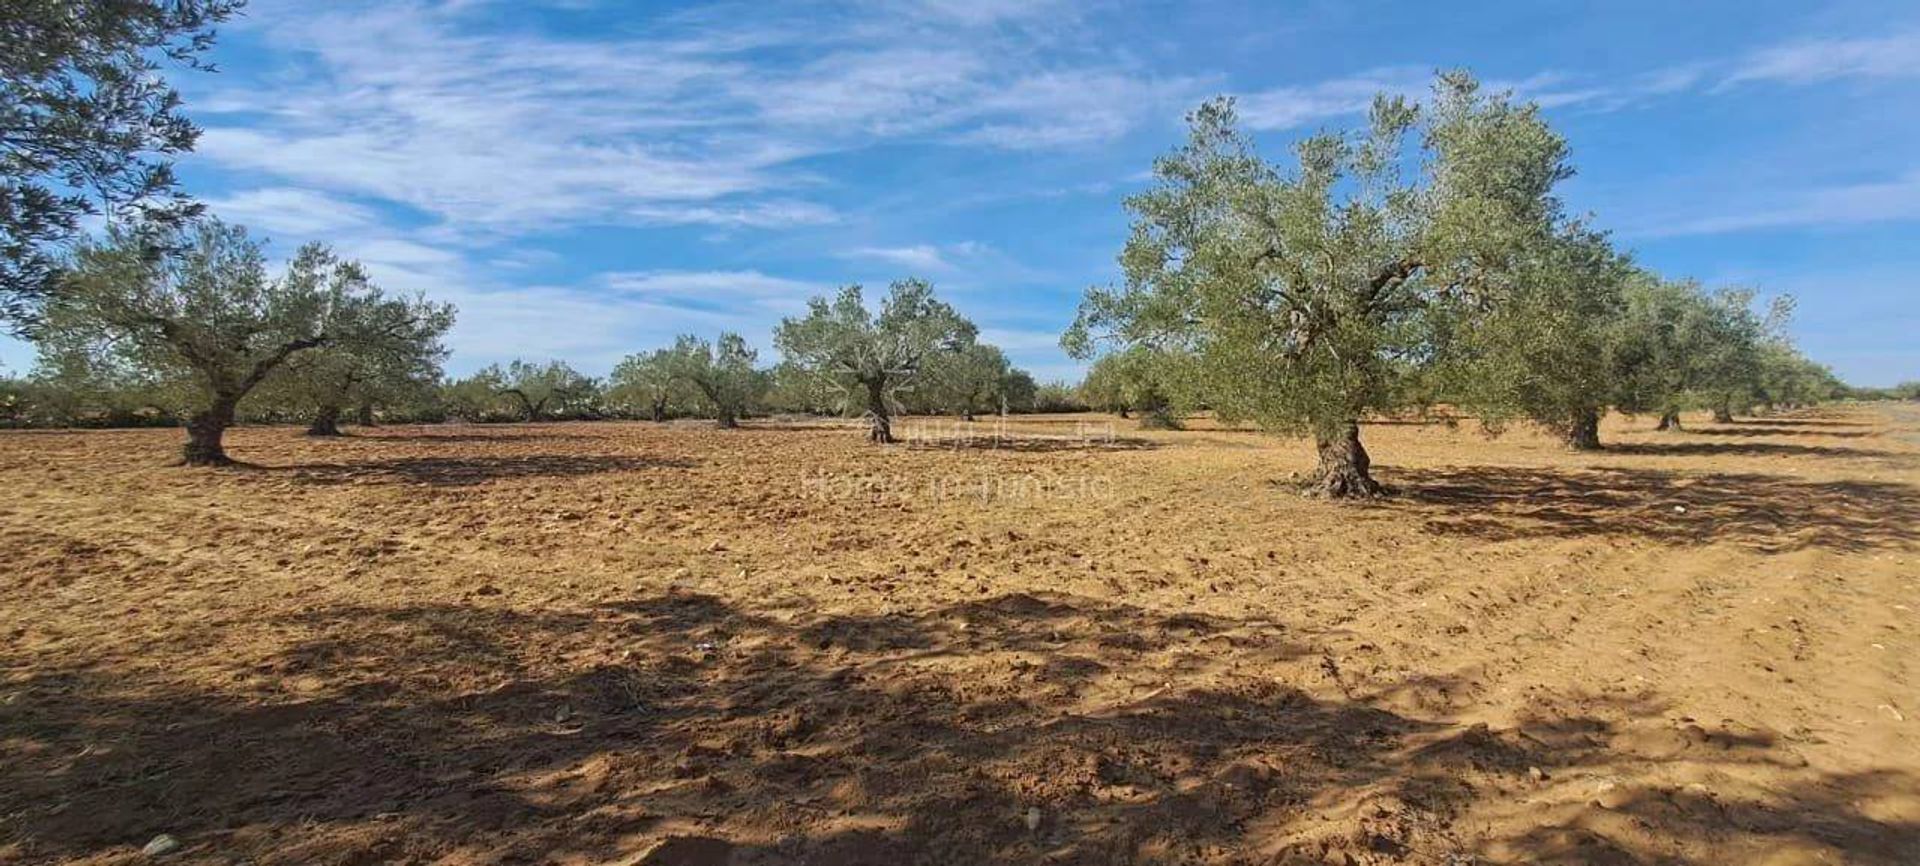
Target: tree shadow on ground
1799,422
1029,444
469,471
412,437
1779,431
1739,449
1015,729
1765,512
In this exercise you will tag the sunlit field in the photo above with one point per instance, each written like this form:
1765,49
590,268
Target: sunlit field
1050,640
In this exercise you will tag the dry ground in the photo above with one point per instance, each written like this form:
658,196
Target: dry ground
628,643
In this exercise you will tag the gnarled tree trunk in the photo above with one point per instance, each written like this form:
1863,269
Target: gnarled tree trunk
364,416
1123,413
659,410
881,430
326,422
1343,469
1668,421
1584,433
204,431
1722,415
725,420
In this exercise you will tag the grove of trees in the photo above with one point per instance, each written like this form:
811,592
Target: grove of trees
1424,262
1425,259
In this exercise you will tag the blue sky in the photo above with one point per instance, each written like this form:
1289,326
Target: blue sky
586,179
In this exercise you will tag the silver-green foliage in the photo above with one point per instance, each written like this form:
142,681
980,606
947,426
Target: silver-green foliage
198,303
869,358
1303,293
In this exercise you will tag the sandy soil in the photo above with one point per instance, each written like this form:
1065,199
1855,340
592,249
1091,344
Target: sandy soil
639,644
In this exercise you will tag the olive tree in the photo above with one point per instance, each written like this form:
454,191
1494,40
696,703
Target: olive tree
1678,346
78,379
1733,351
1135,379
541,389
88,125
398,356
794,388
966,381
1789,379
644,380
478,398
721,373
869,359
198,300
1543,348
1302,293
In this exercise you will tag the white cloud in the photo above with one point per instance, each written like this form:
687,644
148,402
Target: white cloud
918,257
510,132
925,259
735,290
1301,105
1016,340
292,215
1852,204
1896,56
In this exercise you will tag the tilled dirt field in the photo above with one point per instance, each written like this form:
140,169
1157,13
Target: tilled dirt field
1074,643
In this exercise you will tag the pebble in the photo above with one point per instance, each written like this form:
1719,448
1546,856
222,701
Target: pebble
161,846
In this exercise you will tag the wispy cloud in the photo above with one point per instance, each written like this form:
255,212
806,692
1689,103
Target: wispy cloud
417,103
1816,60
920,258
292,215
1852,204
1305,104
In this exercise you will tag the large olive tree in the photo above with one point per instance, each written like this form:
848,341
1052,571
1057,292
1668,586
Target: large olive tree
199,300
88,125
1302,292
870,358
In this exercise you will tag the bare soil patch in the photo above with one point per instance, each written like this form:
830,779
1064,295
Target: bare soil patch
1062,640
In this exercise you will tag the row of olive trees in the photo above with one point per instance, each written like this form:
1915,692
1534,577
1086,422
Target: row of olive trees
1425,259
914,354
188,319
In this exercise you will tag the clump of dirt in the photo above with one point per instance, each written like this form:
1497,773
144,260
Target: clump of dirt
659,644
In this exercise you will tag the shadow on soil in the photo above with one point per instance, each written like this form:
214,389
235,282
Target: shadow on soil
468,471
1030,444
1737,430
1798,422
1739,449
419,437
1766,512
488,734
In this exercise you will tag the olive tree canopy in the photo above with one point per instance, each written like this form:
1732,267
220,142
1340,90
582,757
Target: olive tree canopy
720,374
1302,293
88,126
869,358
198,300
400,359
645,381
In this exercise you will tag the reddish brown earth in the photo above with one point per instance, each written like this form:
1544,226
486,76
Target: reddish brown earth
628,643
